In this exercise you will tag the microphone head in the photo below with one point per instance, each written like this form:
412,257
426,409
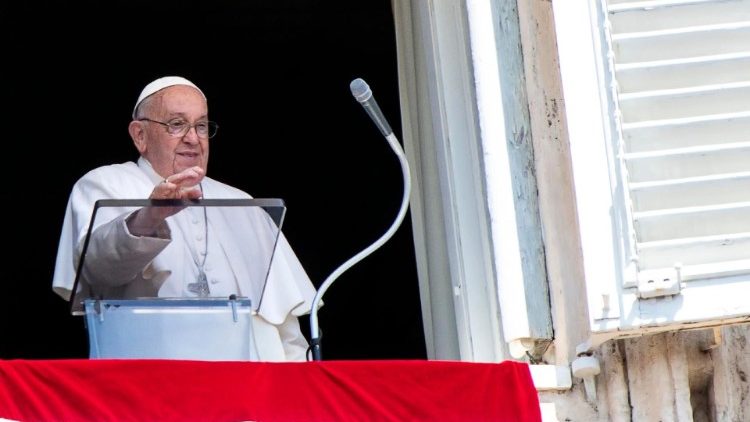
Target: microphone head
360,90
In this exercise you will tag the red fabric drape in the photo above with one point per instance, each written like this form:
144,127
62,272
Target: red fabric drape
172,390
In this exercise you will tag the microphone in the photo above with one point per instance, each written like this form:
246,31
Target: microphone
362,93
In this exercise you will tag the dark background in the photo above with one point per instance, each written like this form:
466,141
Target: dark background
276,73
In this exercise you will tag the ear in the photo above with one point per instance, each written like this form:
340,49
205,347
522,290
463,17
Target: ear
138,134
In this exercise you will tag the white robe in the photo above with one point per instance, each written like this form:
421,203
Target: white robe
234,260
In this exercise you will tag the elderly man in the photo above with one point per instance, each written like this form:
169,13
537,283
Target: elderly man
175,252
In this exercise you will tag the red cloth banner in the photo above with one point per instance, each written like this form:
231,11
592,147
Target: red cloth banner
337,391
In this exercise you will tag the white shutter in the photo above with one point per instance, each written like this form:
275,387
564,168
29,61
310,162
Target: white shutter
657,103
682,73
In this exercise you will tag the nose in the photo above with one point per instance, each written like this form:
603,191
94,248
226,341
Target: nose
191,136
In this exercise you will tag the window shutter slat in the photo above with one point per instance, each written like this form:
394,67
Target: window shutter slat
682,73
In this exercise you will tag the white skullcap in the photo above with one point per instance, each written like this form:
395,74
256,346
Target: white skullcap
160,84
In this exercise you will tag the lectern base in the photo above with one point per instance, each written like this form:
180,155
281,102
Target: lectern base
189,329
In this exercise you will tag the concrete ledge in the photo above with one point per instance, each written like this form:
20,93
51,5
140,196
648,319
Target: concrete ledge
551,377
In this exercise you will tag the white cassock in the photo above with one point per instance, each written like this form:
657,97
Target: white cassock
232,252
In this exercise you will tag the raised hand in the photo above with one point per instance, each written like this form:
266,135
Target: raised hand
182,185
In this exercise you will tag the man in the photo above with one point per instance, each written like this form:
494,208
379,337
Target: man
175,252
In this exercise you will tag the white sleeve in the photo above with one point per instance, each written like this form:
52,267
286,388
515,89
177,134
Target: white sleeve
115,257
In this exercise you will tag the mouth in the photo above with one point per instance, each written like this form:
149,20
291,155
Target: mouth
188,154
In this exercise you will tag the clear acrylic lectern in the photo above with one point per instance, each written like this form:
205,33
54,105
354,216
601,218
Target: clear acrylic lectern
173,295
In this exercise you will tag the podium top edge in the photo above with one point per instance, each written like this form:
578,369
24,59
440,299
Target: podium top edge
232,202
170,302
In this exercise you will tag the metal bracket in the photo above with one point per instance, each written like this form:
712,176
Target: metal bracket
587,368
658,283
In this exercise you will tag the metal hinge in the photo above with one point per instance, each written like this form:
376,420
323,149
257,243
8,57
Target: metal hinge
658,283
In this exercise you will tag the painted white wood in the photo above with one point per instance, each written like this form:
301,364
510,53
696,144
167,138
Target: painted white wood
720,300
714,368
641,19
623,5
690,191
691,42
687,132
686,146
681,223
479,195
444,133
685,102
722,250
513,303
416,81
589,131
677,164
511,192
465,205
554,180
551,377
679,152
681,73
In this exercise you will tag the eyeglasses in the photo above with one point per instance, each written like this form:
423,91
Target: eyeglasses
179,128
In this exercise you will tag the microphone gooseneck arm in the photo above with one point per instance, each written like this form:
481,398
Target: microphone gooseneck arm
362,93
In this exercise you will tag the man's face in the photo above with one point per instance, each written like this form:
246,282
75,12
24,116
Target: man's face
168,153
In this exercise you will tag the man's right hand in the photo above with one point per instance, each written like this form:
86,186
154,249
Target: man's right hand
182,185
